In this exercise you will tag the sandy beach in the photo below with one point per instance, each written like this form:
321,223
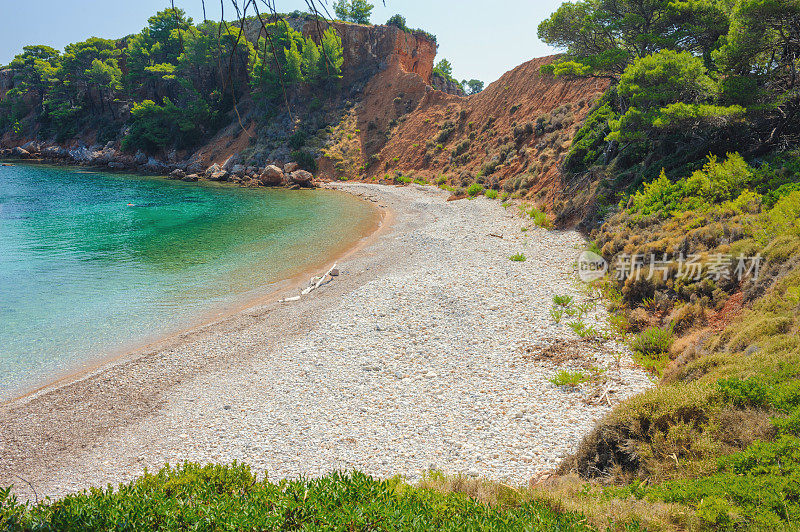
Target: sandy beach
423,354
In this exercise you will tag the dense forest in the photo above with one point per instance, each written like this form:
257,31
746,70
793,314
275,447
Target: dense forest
167,87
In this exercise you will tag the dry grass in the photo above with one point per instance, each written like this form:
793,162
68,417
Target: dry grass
569,494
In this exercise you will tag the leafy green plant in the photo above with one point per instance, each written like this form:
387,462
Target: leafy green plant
491,194
474,189
569,378
563,301
518,257
586,332
557,314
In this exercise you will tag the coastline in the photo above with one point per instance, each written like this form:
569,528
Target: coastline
265,295
355,375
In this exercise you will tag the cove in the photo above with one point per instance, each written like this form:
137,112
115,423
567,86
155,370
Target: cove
93,263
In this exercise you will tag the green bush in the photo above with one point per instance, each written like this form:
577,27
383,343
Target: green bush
518,257
651,348
474,189
193,497
588,144
399,21
654,341
305,160
491,194
156,127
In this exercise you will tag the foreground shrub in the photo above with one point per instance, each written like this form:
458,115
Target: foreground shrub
213,497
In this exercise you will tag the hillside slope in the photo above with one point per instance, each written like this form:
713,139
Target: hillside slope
511,136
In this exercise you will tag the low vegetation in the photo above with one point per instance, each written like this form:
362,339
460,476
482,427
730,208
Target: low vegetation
570,378
193,497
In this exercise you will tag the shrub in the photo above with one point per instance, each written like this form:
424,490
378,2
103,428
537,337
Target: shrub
398,21
518,257
305,160
297,139
652,346
155,127
491,194
585,332
654,341
474,189
587,146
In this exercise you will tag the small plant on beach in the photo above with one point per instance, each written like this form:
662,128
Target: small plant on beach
570,378
585,332
524,229
562,301
474,190
557,314
541,219
491,194
518,257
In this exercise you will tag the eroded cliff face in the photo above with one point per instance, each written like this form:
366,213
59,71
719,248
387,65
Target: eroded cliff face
370,49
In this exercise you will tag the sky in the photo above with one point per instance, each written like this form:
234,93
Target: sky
482,39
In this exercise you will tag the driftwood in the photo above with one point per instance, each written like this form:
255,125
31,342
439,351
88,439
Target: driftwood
313,284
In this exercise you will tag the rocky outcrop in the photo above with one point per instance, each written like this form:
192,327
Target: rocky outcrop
445,85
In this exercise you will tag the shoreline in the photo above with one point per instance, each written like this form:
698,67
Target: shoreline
381,222
413,358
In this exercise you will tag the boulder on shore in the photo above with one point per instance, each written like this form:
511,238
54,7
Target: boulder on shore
191,177
290,167
21,153
177,174
221,175
272,176
211,170
301,178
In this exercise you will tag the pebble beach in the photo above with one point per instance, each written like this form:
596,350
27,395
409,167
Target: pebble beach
426,352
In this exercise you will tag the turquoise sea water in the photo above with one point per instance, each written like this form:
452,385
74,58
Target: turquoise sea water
92,263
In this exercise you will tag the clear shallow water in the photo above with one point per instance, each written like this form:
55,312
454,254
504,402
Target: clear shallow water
91,263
